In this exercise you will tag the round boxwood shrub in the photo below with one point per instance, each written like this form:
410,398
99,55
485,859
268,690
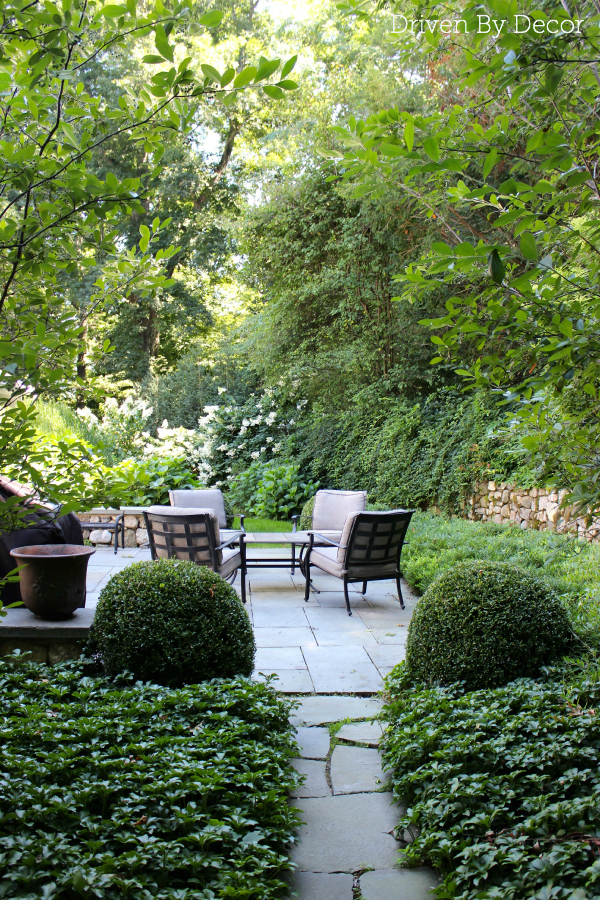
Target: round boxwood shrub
486,624
173,623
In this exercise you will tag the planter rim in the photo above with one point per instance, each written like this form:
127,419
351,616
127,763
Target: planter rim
51,551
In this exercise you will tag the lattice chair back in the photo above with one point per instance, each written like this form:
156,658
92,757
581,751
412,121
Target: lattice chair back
372,542
191,534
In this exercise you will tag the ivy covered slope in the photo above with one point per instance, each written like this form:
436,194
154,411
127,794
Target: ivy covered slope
114,789
501,786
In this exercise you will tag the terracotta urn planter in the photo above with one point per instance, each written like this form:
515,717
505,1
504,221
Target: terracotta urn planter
53,578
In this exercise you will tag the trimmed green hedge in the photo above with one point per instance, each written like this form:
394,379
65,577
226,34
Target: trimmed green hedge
570,567
120,789
485,624
173,623
501,787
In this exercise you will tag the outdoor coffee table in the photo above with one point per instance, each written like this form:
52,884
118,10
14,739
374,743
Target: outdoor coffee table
293,538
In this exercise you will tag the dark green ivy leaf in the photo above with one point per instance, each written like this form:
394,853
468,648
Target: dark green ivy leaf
496,267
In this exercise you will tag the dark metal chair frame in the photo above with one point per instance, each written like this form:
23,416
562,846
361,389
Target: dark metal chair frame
114,526
118,524
356,541
196,542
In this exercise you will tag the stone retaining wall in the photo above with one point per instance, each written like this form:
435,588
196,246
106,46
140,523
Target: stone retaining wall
135,531
534,508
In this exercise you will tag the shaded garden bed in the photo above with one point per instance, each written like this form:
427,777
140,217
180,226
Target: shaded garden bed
502,787
122,789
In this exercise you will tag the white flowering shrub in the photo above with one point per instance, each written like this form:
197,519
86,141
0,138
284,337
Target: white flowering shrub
236,436
123,430
181,443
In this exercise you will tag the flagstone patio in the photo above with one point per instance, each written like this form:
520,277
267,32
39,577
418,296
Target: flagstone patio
312,647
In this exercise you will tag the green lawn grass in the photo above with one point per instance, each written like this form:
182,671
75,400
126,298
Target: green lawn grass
265,525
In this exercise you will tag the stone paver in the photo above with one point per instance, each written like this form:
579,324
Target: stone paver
355,770
313,742
289,681
346,833
390,635
283,637
321,710
281,616
316,886
361,733
321,619
315,782
271,658
386,654
334,669
398,884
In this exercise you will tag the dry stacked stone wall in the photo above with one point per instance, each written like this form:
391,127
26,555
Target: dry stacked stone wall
135,531
528,508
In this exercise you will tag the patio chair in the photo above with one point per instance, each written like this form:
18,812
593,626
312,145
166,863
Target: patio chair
330,512
193,534
210,498
369,550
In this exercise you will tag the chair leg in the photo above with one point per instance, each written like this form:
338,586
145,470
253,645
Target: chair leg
293,559
307,582
346,596
243,569
117,538
400,597
364,590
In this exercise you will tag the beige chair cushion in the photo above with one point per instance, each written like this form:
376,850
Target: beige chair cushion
232,560
332,508
202,556
211,498
326,558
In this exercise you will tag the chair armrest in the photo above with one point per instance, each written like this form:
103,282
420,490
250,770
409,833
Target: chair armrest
231,519
328,540
234,537
295,523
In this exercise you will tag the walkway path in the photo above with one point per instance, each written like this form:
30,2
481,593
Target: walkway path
335,664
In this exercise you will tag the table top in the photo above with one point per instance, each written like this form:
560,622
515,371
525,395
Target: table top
273,537
284,537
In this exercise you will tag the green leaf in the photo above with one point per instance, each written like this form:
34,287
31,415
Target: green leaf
145,238
211,19
489,161
266,70
113,11
227,76
211,73
153,60
409,135
391,150
245,77
496,267
289,65
552,77
528,246
431,148
162,44
273,91
287,85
